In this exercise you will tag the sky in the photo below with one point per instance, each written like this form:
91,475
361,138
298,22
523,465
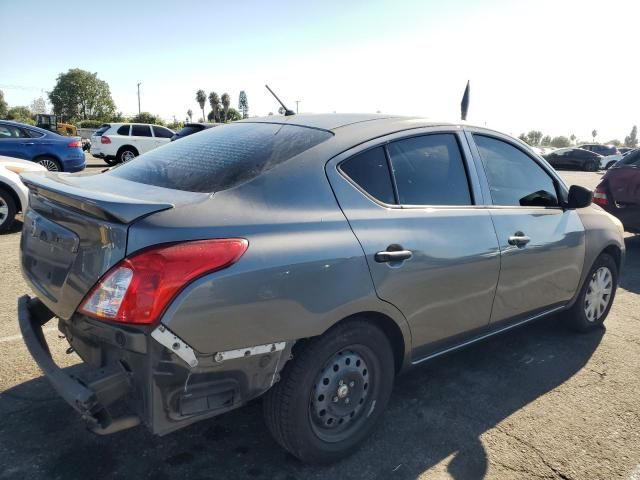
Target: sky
563,67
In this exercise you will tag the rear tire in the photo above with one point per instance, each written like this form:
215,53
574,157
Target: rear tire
50,164
593,303
126,154
7,210
332,394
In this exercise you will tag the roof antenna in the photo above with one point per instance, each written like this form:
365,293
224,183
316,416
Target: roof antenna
464,105
287,112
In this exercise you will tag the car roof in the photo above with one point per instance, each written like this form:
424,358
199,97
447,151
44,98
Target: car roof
202,124
25,125
323,121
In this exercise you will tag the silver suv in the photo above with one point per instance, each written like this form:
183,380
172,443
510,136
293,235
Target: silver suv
308,258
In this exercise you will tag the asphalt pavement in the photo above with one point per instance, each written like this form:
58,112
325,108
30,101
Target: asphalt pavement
537,402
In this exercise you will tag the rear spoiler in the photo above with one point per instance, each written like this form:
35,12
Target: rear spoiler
82,193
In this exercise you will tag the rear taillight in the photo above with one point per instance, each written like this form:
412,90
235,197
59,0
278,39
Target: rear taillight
75,144
139,288
600,196
105,140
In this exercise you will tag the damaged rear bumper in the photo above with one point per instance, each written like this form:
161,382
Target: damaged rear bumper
89,396
156,376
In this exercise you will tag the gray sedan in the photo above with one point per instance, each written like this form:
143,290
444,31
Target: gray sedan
308,258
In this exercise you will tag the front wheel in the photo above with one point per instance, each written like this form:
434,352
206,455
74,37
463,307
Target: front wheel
332,393
7,210
50,164
596,295
127,154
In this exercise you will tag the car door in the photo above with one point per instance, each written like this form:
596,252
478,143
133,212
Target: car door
13,142
414,204
142,138
542,245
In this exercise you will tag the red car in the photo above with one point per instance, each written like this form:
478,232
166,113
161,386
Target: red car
619,191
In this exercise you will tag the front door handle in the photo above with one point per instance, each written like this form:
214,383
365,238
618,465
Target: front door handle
519,239
396,254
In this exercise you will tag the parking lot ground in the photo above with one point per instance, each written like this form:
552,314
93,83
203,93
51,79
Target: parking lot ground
537,402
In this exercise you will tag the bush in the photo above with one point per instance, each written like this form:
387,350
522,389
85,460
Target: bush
146,117
89,124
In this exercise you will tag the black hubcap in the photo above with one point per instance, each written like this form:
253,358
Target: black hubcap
339,395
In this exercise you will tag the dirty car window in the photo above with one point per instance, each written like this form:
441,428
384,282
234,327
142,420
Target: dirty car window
220,158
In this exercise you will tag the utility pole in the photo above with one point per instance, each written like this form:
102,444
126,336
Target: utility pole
139,83
297,102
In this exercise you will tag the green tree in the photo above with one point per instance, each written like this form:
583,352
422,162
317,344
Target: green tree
190,115
4,106
226,103
233,115
523,137
594,134
146,117
81,95
630,141
175,125
21,115
201,98
243,104
615,142
118,117
572,138
534,137
560,142
214,103
546,141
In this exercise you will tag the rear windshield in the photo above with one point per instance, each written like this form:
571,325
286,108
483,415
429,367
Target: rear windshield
220,158
186,131
101,130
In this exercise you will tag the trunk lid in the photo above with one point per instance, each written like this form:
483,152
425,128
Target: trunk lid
75,229
624,184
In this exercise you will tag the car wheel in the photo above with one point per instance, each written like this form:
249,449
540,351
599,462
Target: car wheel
591,167
7,210
127,154
332,393
596,295
50,164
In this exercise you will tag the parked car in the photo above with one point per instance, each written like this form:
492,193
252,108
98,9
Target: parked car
191,128
574,157
14,196
121,142
309,258
624,150
619,191
603,150
51,150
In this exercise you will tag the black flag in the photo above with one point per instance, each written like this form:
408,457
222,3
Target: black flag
464,105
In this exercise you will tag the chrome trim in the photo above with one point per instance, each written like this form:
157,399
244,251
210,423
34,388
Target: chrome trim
487,335
168,339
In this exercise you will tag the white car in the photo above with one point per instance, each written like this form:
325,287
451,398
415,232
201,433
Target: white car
14,195
120,142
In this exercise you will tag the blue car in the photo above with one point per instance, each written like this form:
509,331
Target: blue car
51,150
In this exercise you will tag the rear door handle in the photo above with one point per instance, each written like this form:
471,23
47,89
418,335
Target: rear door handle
393,256
29,143
519,239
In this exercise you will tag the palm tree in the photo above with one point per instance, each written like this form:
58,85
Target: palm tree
190,115
594,134
226,102
243,104
201,98
214,101
572,138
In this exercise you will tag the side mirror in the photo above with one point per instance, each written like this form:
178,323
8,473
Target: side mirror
579,197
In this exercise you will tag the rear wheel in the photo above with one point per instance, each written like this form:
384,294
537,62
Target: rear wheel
332,394
596,295
50,164
7,210
126,154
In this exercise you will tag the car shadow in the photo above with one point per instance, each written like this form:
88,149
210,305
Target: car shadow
437,413
630,279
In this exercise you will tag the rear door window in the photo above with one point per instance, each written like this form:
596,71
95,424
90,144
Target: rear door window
141,131
429,170
514,178
123,130
220,158
370,171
